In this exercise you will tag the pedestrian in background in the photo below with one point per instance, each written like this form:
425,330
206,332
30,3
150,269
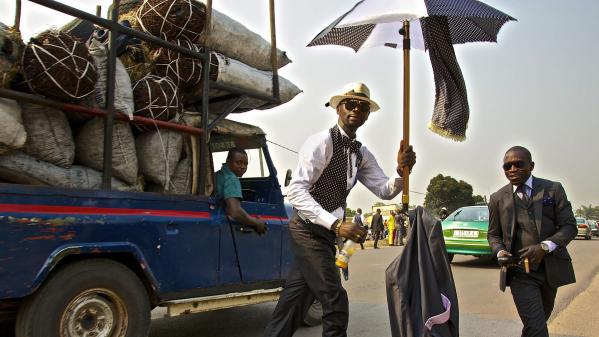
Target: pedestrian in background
401,228
391,228
359,220
377,227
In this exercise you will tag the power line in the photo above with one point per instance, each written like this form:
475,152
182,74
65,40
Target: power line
284,147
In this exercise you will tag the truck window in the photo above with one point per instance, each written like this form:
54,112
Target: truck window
257,167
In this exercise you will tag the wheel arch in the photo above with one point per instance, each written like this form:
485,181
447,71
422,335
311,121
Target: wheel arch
125,253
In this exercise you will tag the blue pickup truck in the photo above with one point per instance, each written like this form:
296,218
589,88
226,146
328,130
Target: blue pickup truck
95,262
75,262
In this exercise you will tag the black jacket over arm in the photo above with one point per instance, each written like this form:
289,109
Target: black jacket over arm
416,280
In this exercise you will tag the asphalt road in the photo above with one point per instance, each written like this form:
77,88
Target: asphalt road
484,310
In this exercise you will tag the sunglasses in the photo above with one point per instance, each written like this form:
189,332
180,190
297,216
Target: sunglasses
352,104
518,164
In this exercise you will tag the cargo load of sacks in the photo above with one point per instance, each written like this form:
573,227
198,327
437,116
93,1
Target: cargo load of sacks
45,146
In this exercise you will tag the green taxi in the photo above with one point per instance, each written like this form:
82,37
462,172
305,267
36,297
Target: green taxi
465,232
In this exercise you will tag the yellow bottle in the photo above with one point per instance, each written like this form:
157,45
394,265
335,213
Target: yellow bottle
349,248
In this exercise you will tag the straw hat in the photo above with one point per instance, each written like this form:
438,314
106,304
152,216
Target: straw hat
358,91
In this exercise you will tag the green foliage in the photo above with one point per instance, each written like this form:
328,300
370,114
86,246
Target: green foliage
378,204
349,213
588,212
445,191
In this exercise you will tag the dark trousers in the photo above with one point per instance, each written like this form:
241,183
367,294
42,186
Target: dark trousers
313,274
377,235
534,299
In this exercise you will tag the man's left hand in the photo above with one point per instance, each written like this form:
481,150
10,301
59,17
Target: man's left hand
534,253
406,157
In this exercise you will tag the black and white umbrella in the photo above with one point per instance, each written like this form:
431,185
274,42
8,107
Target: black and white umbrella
433,25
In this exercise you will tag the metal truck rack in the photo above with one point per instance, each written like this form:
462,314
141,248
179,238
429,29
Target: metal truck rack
110,114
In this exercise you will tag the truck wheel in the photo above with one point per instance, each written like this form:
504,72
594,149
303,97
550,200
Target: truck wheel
100,298
314,315
450,257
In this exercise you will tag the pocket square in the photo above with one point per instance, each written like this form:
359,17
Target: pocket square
548,201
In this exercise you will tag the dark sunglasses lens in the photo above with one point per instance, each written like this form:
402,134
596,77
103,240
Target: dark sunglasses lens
518,164
350,105
362,106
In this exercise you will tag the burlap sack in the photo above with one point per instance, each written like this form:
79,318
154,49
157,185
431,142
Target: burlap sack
123,93
181,182
12,131
158,154
234,73
233,39
20,168
90,149
49,136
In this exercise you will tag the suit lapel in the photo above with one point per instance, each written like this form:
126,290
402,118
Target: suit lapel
537,202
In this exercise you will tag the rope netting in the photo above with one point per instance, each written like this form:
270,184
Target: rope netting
172,19
58,66
185,71
155,97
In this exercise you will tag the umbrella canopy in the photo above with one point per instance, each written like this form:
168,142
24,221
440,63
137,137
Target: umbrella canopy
435,25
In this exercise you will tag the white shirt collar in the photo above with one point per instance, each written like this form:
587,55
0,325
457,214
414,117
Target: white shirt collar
343,131
528,184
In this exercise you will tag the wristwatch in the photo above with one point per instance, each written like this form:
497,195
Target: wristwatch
545,247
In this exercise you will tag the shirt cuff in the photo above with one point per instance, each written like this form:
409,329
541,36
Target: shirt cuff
326,219
551,245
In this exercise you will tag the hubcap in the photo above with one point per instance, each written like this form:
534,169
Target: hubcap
94,313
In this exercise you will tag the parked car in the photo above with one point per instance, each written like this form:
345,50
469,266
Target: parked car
584,228
465,232
594,230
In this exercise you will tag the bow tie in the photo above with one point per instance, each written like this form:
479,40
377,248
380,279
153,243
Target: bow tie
353,146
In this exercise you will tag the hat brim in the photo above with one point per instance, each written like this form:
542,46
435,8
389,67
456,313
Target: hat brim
335,100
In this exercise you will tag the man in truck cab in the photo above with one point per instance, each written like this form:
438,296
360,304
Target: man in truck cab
228,189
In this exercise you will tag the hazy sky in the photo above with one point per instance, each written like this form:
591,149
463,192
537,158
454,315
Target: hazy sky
537,87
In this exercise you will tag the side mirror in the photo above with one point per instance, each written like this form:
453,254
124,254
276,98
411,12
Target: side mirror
287,177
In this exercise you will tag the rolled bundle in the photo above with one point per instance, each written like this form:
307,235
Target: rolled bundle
12,131
234,73
158,154
58,66
172,19
90,148
20,168
156,97
49,136
137,61
11,48
185,71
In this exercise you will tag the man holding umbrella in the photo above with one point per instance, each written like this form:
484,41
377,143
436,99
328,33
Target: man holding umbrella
330,164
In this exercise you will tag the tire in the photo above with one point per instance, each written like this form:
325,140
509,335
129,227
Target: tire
314,315
98,297
450,257
587,236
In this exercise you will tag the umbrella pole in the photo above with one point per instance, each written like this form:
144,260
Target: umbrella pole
405,31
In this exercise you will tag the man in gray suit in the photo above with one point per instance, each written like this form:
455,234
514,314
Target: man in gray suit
377,227
532,218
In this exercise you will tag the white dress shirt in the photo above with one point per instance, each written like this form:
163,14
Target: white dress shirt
314,156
